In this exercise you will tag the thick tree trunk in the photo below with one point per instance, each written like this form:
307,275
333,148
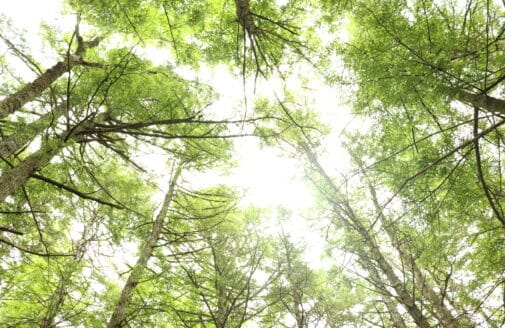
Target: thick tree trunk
299,315
396,317
16,177
119,314
441,311
244,17
481,101
14,142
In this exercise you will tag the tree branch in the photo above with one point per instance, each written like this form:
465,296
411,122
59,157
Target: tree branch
75,192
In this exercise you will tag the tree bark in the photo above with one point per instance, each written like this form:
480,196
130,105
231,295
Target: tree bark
17,176
57,300
244,17
14,142
395,316
299,315
118,316
221,315
403,294
481,101
441,311
344,211
30,91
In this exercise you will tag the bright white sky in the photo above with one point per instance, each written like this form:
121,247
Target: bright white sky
268,178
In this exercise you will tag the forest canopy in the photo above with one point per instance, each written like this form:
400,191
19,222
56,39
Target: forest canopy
123,124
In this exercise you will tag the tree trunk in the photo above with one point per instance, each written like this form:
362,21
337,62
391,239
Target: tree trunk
395,316
14,142
119,314
344,211
221,316
30,91
441,311
60,294
403,294
481,101
57,300
299,314
17,176
244,17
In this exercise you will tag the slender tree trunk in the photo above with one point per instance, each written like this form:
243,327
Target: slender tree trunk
299,314
14,142
395,316
298,310
442,312
60,294
220,267
17,176
346,214
403,294
57,300
30,91
119,314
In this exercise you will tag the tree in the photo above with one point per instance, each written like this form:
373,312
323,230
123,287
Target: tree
255,35
435,159
32,90
226,272
119,314
414,64
47,289
446,50
87,125
159,117
298,298
414,229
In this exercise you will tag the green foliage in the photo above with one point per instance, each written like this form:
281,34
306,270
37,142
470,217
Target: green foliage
419,51
424,195
195,31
